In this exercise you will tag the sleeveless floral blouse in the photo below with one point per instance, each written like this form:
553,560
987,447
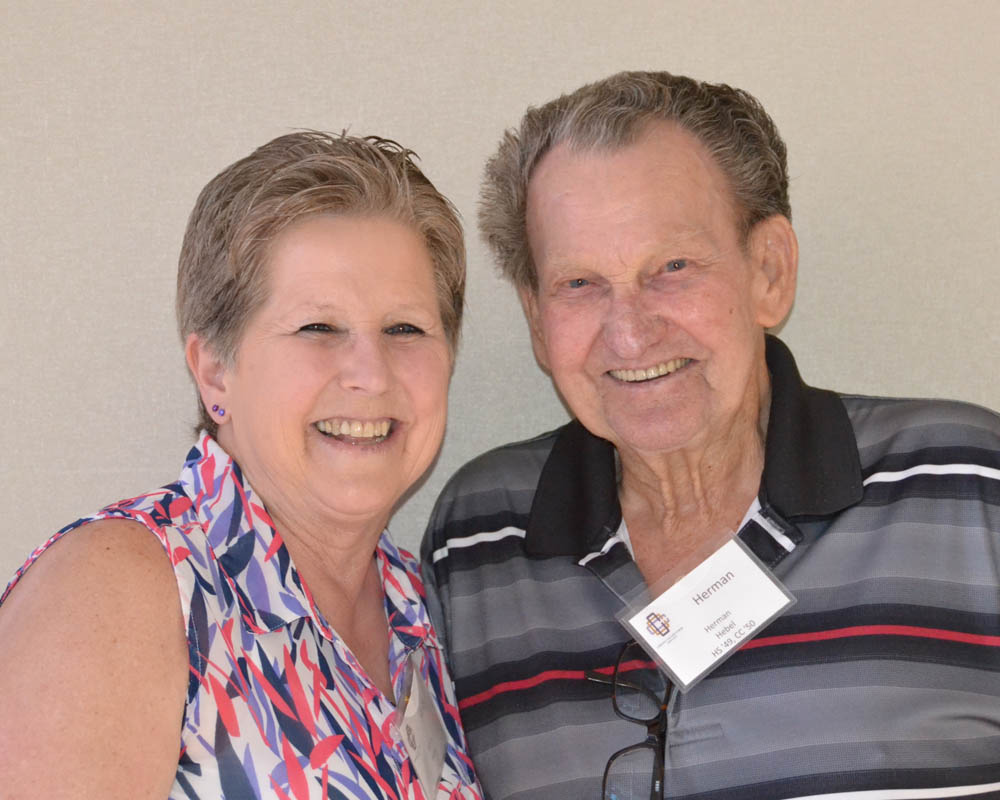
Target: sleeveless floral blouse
277,706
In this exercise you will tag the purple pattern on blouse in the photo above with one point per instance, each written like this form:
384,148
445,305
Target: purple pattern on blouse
277,704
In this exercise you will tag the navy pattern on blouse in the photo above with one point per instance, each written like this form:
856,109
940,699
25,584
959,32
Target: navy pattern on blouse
277,705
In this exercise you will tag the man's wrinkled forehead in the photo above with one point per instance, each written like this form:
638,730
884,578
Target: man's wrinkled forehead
663,159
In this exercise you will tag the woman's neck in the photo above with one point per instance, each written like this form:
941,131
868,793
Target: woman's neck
345,583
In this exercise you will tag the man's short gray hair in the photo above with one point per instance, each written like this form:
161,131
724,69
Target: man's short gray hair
612,113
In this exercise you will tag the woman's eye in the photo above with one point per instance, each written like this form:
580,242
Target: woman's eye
675,265
316,327
403,329
577,283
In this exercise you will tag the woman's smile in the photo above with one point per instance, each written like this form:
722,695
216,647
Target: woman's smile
356,431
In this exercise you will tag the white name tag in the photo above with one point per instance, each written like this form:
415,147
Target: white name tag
707,614
422,729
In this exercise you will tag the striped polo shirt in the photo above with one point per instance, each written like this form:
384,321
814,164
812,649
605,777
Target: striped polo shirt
881,516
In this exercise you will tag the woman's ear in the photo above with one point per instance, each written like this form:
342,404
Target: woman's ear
775,253
209,374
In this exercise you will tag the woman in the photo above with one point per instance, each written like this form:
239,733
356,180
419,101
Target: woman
319,299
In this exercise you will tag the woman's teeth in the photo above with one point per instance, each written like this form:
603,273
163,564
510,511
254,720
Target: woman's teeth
635,375
355,429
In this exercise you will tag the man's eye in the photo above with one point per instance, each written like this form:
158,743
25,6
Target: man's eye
403,329
675,265
577,283
316,327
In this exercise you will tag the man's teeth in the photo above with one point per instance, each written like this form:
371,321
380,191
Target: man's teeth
356,429
635,375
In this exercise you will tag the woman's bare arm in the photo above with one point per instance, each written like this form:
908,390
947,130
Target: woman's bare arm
93,669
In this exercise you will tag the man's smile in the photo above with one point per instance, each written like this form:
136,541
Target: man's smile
648,374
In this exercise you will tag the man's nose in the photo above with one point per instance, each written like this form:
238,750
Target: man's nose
630,328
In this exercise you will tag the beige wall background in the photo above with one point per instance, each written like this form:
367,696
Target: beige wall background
114,115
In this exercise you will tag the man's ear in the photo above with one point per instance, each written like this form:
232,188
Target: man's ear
529,302
208,371
775,254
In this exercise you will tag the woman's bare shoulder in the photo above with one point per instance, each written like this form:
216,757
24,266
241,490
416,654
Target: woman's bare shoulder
93,667
98,563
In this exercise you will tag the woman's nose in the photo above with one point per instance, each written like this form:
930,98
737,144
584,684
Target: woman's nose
365,367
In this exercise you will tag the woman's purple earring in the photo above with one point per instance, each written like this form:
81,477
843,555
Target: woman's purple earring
219,410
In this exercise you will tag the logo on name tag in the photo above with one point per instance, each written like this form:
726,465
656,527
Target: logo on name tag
706,614
657,624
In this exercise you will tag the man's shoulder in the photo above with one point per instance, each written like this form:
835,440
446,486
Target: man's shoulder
495,488
513,467
885,426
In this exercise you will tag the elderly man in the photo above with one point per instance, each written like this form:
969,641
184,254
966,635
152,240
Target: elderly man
644,221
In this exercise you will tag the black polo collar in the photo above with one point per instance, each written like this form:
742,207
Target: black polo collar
811,467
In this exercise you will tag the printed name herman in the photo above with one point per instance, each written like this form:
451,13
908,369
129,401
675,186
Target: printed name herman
702,596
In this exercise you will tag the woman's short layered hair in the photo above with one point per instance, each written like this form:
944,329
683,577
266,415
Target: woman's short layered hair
222,276
613,113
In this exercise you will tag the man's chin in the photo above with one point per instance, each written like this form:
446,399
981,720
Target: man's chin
654,433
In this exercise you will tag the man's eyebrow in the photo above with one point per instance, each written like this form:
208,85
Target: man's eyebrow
560,264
